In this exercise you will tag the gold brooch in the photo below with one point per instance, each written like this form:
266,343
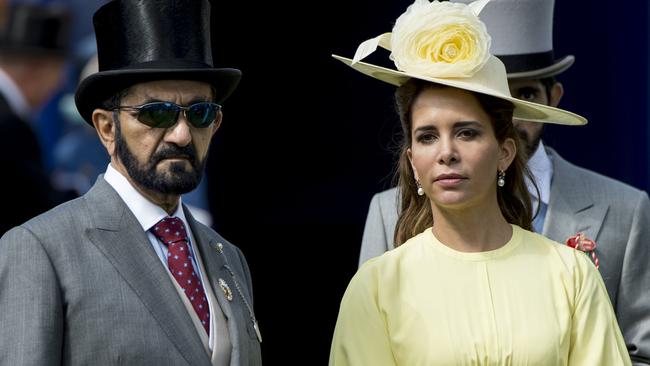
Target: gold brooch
226,289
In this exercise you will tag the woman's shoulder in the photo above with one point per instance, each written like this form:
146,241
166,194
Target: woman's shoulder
401,252
394,258
569,258
384,272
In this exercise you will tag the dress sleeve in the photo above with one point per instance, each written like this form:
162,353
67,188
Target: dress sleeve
361,337
595,336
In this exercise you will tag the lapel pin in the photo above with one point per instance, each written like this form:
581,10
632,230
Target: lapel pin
219,247
226,289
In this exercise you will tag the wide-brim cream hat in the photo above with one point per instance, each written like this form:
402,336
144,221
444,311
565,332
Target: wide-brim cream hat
445,43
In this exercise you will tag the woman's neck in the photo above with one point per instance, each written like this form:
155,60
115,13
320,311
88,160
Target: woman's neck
478,229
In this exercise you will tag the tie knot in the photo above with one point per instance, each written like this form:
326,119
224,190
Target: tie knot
170,230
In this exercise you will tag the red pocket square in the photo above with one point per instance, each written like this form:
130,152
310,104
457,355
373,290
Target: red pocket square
584,244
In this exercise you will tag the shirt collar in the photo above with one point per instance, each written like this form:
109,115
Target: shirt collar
146,212
15,98
541,167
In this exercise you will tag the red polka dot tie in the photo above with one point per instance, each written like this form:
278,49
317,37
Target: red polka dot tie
171,232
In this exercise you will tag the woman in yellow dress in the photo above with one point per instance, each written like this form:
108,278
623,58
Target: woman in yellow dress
470,284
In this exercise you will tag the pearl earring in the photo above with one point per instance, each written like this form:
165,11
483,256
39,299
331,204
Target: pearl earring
420,189
501,178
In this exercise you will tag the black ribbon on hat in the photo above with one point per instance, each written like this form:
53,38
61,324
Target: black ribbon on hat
527,62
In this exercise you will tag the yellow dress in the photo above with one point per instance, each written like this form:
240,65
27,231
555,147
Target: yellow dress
530,302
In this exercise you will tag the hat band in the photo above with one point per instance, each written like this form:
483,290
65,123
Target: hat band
162,64
527,61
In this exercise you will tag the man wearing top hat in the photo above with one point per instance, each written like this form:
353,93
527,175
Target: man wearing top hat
33,44
573,200
124,274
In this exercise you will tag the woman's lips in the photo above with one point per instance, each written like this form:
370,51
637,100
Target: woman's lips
449,180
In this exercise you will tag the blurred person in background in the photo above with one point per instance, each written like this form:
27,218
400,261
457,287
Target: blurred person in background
33,44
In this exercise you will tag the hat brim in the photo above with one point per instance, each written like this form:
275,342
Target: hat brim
558,67
99,87
524,110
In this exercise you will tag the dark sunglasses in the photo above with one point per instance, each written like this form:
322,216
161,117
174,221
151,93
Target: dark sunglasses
165,114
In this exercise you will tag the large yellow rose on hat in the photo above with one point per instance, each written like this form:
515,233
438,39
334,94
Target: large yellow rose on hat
439,39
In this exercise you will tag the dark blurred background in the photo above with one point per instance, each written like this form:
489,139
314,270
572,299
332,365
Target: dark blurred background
306,142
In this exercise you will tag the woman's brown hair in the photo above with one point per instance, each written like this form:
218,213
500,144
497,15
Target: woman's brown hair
513,198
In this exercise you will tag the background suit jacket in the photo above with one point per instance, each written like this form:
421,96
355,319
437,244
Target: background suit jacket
26,186
616,216
82,285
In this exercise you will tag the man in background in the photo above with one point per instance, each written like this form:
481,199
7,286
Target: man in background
33,45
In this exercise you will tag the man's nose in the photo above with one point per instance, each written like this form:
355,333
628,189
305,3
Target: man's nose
180,133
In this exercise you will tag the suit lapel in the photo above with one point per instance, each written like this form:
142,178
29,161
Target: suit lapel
215,266
571,209
119,236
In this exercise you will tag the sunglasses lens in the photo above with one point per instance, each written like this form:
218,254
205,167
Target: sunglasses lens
202,114
158,114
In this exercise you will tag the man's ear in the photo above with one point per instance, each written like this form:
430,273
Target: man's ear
105,127
557,91
217,123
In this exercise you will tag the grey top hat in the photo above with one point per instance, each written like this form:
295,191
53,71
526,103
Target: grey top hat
522,37
34,28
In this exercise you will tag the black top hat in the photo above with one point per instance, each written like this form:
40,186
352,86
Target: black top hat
32,28
148,40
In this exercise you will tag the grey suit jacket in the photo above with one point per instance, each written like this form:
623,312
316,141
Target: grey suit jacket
82,285
616,216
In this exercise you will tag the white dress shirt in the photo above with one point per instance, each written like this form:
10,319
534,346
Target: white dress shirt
14,97
148,214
